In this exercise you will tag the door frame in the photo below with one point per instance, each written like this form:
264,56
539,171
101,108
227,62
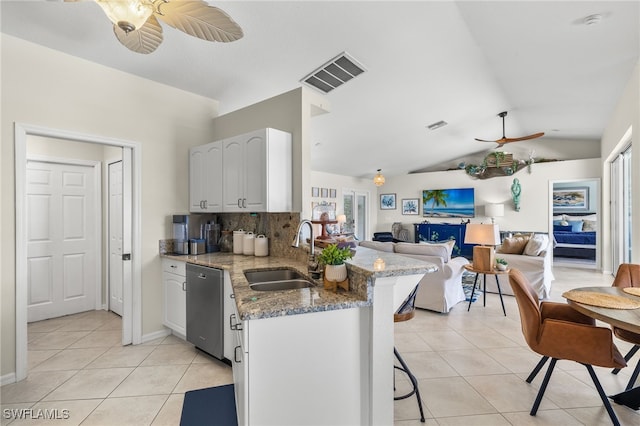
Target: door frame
132,291
97,188
598,203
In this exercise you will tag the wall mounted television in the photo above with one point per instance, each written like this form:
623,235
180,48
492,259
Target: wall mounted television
446,203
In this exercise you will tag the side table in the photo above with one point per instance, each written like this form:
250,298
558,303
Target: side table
495,272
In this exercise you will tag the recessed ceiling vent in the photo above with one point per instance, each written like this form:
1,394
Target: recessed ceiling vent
334,73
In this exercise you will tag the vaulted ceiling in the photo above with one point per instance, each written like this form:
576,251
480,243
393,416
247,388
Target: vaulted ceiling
426,61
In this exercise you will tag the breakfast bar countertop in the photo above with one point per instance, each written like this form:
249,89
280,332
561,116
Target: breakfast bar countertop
363,268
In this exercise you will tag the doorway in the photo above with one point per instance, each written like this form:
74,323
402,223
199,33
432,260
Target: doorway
357,213
132,321
576,223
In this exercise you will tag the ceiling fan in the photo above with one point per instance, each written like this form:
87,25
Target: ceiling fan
503,140
136,26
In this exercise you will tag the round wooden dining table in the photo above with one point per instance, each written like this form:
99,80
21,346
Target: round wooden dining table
627,319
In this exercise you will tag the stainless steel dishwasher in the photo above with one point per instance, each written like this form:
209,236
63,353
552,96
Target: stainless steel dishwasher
205,309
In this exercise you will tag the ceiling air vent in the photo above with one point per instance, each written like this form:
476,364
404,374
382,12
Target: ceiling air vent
334,73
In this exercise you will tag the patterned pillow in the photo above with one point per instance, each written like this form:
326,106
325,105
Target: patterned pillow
588,225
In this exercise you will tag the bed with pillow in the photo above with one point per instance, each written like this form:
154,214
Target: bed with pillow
575,236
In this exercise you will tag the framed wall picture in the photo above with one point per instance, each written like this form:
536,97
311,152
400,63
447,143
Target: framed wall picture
332,193
324,192
315,191
387,201
571,199
411,206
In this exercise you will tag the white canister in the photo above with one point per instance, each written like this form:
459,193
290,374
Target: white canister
238,243
262,246
247,244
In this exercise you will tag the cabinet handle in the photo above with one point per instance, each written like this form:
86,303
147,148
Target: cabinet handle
231,321
240,202
232,296
204,204
173,266
244,203
235,355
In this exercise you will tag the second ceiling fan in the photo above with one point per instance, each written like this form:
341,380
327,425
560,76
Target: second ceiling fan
503,140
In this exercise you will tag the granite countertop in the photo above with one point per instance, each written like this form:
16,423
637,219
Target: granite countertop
363,268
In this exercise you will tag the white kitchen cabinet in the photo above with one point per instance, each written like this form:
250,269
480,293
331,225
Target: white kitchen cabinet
205,178
257,172
174,303
287,370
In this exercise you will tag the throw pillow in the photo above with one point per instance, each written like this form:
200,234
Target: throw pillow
559,228
588,225
536,245
576,225
515,244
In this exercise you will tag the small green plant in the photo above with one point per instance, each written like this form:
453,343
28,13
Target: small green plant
332,255
501,261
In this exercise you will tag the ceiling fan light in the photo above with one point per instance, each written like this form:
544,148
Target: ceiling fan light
129,15
378,179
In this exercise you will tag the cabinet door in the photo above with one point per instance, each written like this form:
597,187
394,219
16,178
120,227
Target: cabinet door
197,178
205,178
233,174
212,189
174,302
255,177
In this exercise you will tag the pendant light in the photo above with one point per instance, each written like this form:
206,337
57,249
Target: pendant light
378,179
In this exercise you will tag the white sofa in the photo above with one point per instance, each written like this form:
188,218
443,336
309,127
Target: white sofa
534,263
438,291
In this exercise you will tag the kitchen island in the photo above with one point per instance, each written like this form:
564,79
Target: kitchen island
312,356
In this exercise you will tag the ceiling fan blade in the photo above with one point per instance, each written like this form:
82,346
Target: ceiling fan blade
483,140
524,138
143,40
198,19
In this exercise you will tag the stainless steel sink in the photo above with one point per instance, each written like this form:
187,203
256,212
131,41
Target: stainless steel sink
281,285
275,280
272,275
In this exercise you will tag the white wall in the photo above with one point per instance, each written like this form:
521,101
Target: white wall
534,201
44,87
621,129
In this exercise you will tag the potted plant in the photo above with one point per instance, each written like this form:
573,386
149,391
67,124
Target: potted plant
333,258
501,264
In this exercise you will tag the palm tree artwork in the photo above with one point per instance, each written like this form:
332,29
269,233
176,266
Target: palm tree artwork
437,197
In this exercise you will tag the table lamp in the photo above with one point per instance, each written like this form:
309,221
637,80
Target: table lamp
342,218
493,211
488,237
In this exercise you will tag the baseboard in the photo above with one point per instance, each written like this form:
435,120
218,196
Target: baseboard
7,379
155,335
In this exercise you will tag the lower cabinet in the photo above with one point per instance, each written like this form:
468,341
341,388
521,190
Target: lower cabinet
174,302
288,370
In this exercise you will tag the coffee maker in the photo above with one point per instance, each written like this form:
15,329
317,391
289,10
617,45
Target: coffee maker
180,234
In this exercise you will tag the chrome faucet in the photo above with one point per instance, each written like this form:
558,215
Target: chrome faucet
312,264
296,240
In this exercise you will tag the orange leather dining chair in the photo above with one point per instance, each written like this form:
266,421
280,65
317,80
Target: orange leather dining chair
628,275
557,331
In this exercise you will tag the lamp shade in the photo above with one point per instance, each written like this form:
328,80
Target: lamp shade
378,179
480,233
494,210
341,218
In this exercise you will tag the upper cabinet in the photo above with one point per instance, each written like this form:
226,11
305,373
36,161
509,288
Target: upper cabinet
205,177
255,174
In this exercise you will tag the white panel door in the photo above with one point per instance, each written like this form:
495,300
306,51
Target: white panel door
61,239
115,238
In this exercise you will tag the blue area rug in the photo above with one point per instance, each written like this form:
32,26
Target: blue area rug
467,286
210,406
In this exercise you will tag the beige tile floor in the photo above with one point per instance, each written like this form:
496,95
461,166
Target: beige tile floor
471,368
